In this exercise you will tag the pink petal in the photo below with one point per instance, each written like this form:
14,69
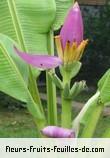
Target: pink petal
39,61
58,132
72,29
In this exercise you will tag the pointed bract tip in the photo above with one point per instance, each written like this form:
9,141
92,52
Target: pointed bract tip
72,29
76,5
39,61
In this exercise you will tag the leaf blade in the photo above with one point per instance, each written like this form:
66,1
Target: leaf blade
104,87
62,7
13,84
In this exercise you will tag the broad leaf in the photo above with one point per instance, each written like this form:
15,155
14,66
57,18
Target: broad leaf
62,7
11,80
104,87
8,45
82,117
103,78
27,22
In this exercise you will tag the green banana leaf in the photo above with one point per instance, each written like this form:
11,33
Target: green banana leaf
102,96
62,7
104,87
103,93
27,22
11,79
84,115
8,45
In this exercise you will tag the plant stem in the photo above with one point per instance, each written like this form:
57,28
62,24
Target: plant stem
66,105
90,127
66,113
51,89
32,86
34,90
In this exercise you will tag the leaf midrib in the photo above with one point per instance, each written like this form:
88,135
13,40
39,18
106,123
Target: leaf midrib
16,23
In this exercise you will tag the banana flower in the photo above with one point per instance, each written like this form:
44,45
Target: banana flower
58,132
70,44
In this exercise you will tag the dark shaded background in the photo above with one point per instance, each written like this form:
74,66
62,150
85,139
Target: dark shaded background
96,59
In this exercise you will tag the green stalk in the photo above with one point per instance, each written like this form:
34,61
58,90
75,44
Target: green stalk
51,89
32,86
34,90
40,125
66,105
66,112
90,127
